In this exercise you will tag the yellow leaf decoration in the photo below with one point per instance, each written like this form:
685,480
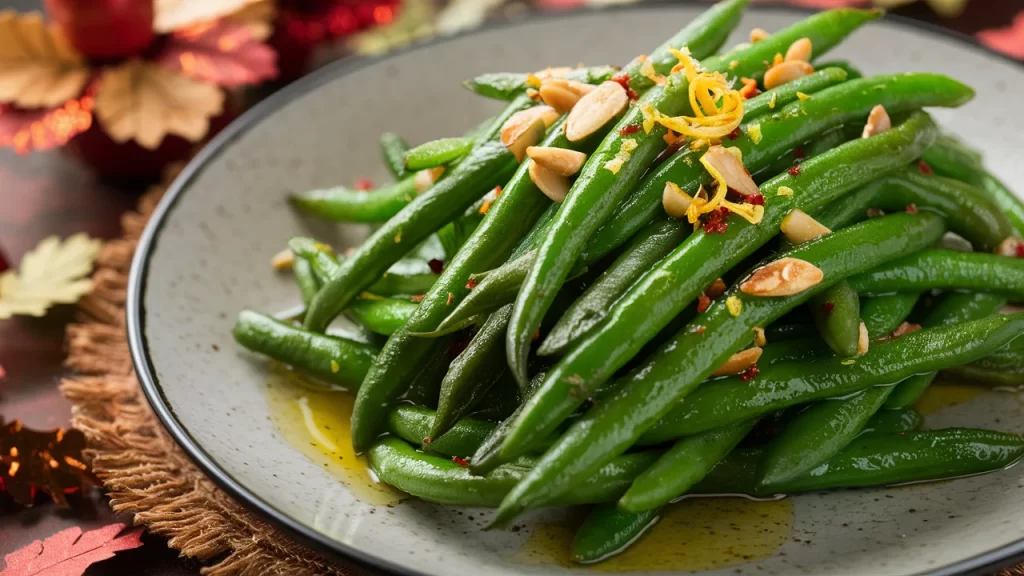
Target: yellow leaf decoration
52,273
170,15
145,102
38,67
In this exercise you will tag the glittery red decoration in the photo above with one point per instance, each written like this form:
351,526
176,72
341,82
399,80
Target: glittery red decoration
105,28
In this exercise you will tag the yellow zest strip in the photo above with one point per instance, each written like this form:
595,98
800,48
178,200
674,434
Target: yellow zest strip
647,71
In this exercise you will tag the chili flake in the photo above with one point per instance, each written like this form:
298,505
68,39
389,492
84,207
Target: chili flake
703,303
436,266
427,441
749,89
460,461
924,168
755,199
794,170
911,208
1020,250
364,184
799,153
715,222
623,80
536,335
750,373
631,129
829,307
470,284
417,298
716,289
734,134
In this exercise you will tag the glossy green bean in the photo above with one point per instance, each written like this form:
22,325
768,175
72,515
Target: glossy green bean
343,204
650,390
883,314
393,147
836,312
974,374
444,481
893,421
412,424
682,466
945,270
509,85
382,315
597,190
849,209
672,285
326,266
488,165
852,71
305,279
329,358
607,531
731,400
437,153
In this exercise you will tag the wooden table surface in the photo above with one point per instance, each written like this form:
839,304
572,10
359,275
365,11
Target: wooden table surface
50,193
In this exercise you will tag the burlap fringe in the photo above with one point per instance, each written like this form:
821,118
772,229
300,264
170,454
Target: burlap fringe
144,472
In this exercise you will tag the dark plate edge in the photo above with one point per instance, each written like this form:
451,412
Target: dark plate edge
980,564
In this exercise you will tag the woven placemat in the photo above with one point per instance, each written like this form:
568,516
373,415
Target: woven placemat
144,472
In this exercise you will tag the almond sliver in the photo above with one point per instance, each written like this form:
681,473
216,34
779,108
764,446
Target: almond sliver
786,72
524,119
730,167
558,160
798,227
878,122
595,109
800,50
552,185
675,201
739,362
557,94
783,277
525,138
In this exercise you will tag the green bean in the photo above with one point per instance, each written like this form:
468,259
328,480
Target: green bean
444,481
393,147
487,165
304,277
342,204
412,424
816,146
731,400
1010,358
852,71
608,531
804,349
329,358
836,312
649,391
665,290
953,310
381,315
681,467
509,85
945,270
893,421
597,189
437,153
883,314
849,209
326,266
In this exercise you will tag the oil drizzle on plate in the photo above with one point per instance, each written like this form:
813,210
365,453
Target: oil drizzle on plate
941,395
694,534
315,421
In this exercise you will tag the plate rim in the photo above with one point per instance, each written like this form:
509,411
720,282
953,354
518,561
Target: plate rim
134,305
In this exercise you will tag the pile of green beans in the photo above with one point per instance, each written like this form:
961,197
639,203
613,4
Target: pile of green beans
599,351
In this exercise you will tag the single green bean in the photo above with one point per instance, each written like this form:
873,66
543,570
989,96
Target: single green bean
893,421
412,424
607,531
836,312
509,85
883,314
945,270
382,315
342,204
852,71
437,153
393,147
326,266
304,277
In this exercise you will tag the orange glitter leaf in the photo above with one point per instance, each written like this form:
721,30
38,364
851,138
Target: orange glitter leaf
44,128
223,53
38,67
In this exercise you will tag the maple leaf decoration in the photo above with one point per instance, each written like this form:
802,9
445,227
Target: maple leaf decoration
222,52
51,461
145,102
69,552
52,273
38,67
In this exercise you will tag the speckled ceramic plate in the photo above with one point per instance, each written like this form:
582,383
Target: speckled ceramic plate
267,442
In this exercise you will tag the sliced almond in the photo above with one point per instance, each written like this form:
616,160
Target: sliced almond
1011,246
283,260
552,185
675,201
786,72
553,72
425,178
523,140
523,121
558,95
739,362
783,277
800,50
798,227
758,34
904,329
863,341
558,160
595,109
730,166
878,122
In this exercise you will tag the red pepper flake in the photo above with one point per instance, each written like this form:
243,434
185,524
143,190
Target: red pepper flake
470,284
460,461
749,89
829,306
734,134
794,170
426,441
623,80
703,303
716,289
715,223
417,298
497,191
911,208
364,184
755,199
799,153
536,335
750,373
631,129
1020,254
924,168
436,266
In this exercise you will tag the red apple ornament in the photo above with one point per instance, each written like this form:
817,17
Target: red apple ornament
103,29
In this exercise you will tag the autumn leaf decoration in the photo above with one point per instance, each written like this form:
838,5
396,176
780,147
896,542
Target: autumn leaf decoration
49,92
32,460
53,273
69,552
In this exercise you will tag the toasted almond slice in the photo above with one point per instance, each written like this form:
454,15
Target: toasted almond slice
800,50
675,201
552,185
758,34
729,164
863,341
785,72
798,227
283,260
595,109
783,277
558,95
739,362
553,72
878,122
525,139
424,179
1012,247
524,120
559,160
581,88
